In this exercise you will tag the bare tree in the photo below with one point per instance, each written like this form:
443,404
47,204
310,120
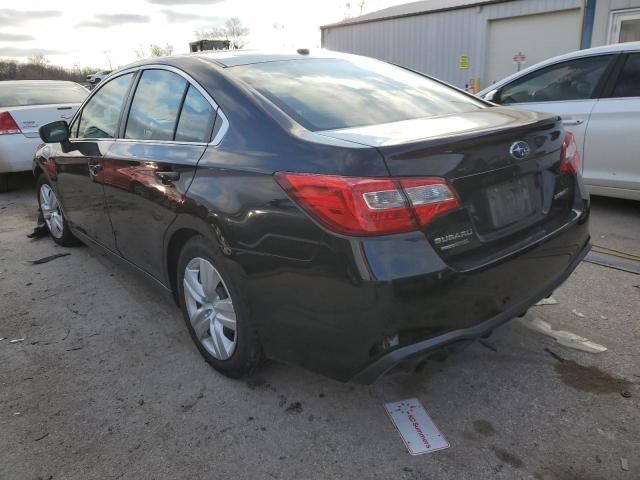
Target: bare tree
154,51
12,70
233,31
158,51
236,33
348,8
215,33
38,59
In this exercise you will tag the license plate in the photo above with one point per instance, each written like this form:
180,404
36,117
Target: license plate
512,200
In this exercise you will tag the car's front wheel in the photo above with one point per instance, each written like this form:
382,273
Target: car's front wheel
52,214
215,312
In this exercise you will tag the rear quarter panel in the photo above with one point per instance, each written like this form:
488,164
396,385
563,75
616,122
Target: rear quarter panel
17,152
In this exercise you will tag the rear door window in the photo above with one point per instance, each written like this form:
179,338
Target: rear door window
101,114
628,83
325,94
572,80
155,106
196,118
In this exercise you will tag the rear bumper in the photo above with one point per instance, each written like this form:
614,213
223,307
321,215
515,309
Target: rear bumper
16,152
358,307
351,308
387,362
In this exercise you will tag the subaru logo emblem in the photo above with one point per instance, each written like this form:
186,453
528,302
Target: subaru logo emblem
519,150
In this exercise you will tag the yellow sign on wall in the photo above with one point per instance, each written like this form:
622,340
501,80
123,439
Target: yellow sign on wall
464,61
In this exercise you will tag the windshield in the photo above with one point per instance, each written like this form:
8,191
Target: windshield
326,94
28,93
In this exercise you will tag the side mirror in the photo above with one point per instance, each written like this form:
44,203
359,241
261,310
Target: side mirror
492,96
54,132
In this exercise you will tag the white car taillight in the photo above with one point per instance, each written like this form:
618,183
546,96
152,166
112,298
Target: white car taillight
7,124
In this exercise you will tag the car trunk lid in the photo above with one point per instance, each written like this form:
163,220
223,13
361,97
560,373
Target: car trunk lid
30,118
502,163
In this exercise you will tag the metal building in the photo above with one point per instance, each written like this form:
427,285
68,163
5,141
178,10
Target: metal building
474,43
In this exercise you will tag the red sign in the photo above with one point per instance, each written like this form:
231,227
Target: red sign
519,57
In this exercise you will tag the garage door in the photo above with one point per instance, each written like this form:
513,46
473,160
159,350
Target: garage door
537,36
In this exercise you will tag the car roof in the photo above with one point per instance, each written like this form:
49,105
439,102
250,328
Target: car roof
615,48
233,58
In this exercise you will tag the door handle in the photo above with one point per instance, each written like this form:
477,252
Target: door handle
166,178
574,121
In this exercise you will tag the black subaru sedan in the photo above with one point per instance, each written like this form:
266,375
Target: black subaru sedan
323,209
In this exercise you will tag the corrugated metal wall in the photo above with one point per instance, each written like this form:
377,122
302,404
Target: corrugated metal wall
432,43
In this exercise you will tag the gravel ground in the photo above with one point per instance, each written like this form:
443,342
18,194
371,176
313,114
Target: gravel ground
107,384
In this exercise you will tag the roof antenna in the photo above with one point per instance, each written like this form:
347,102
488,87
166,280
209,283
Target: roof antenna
303,51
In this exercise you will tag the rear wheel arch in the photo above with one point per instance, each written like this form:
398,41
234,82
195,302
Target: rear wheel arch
37,171
176,243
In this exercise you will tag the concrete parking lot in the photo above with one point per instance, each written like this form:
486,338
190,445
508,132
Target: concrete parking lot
107,383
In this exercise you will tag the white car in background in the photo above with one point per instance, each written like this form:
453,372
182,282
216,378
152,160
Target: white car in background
97,77
25,105
597,94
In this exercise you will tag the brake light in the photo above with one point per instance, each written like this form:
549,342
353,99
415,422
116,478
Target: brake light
569,155
369,206
8,124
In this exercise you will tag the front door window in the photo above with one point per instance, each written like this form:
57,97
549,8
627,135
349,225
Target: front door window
572,80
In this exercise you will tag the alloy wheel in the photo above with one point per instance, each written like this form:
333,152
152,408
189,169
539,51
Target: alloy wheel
50,208
210,308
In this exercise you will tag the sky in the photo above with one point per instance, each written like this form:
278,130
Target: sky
107,34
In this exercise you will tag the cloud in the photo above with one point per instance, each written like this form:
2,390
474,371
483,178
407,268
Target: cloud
14,37
26,52
107,20
184,2
179,17
14,18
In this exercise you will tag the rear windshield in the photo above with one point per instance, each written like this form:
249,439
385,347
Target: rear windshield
325,94
19,94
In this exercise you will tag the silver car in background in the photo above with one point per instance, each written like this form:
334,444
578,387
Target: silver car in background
25,105
597,93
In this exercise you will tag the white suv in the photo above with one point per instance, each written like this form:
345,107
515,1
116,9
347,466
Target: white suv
597,94
97,77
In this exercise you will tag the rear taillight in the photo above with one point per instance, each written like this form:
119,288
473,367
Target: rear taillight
8,124
569,155
369,206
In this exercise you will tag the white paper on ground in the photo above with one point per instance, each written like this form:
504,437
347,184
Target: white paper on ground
547,301
419,433
568,339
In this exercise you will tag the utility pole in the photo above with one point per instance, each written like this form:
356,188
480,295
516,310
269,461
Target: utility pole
107,52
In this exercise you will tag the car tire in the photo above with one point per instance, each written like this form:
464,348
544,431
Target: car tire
4,182
225,336
52,213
